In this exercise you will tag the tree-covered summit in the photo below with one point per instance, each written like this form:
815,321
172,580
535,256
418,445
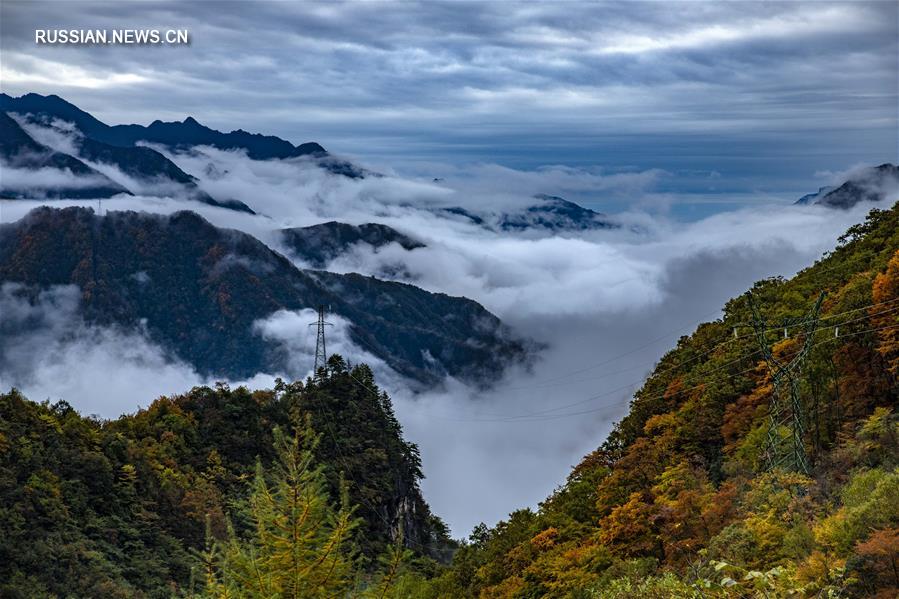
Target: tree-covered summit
121,508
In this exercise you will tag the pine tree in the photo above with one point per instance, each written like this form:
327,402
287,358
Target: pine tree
298,544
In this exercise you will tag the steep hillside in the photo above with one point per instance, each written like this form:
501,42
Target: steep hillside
679,501
122,508
198,291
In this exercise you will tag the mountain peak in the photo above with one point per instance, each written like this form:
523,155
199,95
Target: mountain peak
871,184
53,106
549,198
188,132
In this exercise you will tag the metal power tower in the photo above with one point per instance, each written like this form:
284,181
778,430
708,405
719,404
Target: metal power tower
321,352
786,412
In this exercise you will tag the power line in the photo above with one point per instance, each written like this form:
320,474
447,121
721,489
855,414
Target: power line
619,356
675,366
555,381
697,386
528,416
695,358
548,414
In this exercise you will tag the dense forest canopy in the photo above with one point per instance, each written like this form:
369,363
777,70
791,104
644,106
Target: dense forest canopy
94,508
206,494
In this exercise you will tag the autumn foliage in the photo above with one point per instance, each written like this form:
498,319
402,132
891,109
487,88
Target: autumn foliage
678,502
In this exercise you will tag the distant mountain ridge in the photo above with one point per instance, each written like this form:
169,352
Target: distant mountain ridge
120,146
144,165
19,150
872,184
548,213
144,162
198,291
176,135
320,244
554,213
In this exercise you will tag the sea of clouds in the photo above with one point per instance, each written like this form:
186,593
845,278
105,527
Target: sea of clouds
606,304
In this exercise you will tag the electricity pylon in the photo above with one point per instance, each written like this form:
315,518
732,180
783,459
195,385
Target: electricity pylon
321,352
786,413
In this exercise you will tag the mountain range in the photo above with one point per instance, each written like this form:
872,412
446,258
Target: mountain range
199,291
120,146
82,176
108,160
21,153
175,135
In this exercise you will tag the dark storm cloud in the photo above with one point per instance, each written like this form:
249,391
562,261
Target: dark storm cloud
764,93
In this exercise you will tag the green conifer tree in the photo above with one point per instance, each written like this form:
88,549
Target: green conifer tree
298,544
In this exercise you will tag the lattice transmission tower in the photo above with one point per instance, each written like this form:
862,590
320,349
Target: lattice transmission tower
321,351
787,415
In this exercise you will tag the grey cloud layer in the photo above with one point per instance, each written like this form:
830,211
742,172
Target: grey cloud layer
740,88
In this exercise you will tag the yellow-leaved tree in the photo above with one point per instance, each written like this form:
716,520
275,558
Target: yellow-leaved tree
298,544
886,292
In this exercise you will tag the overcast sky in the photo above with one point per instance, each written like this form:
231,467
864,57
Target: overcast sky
729,100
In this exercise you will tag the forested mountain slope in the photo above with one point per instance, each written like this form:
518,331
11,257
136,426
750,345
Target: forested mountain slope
122,508
678,502
199,290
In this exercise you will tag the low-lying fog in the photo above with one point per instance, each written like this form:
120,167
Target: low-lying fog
606,303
